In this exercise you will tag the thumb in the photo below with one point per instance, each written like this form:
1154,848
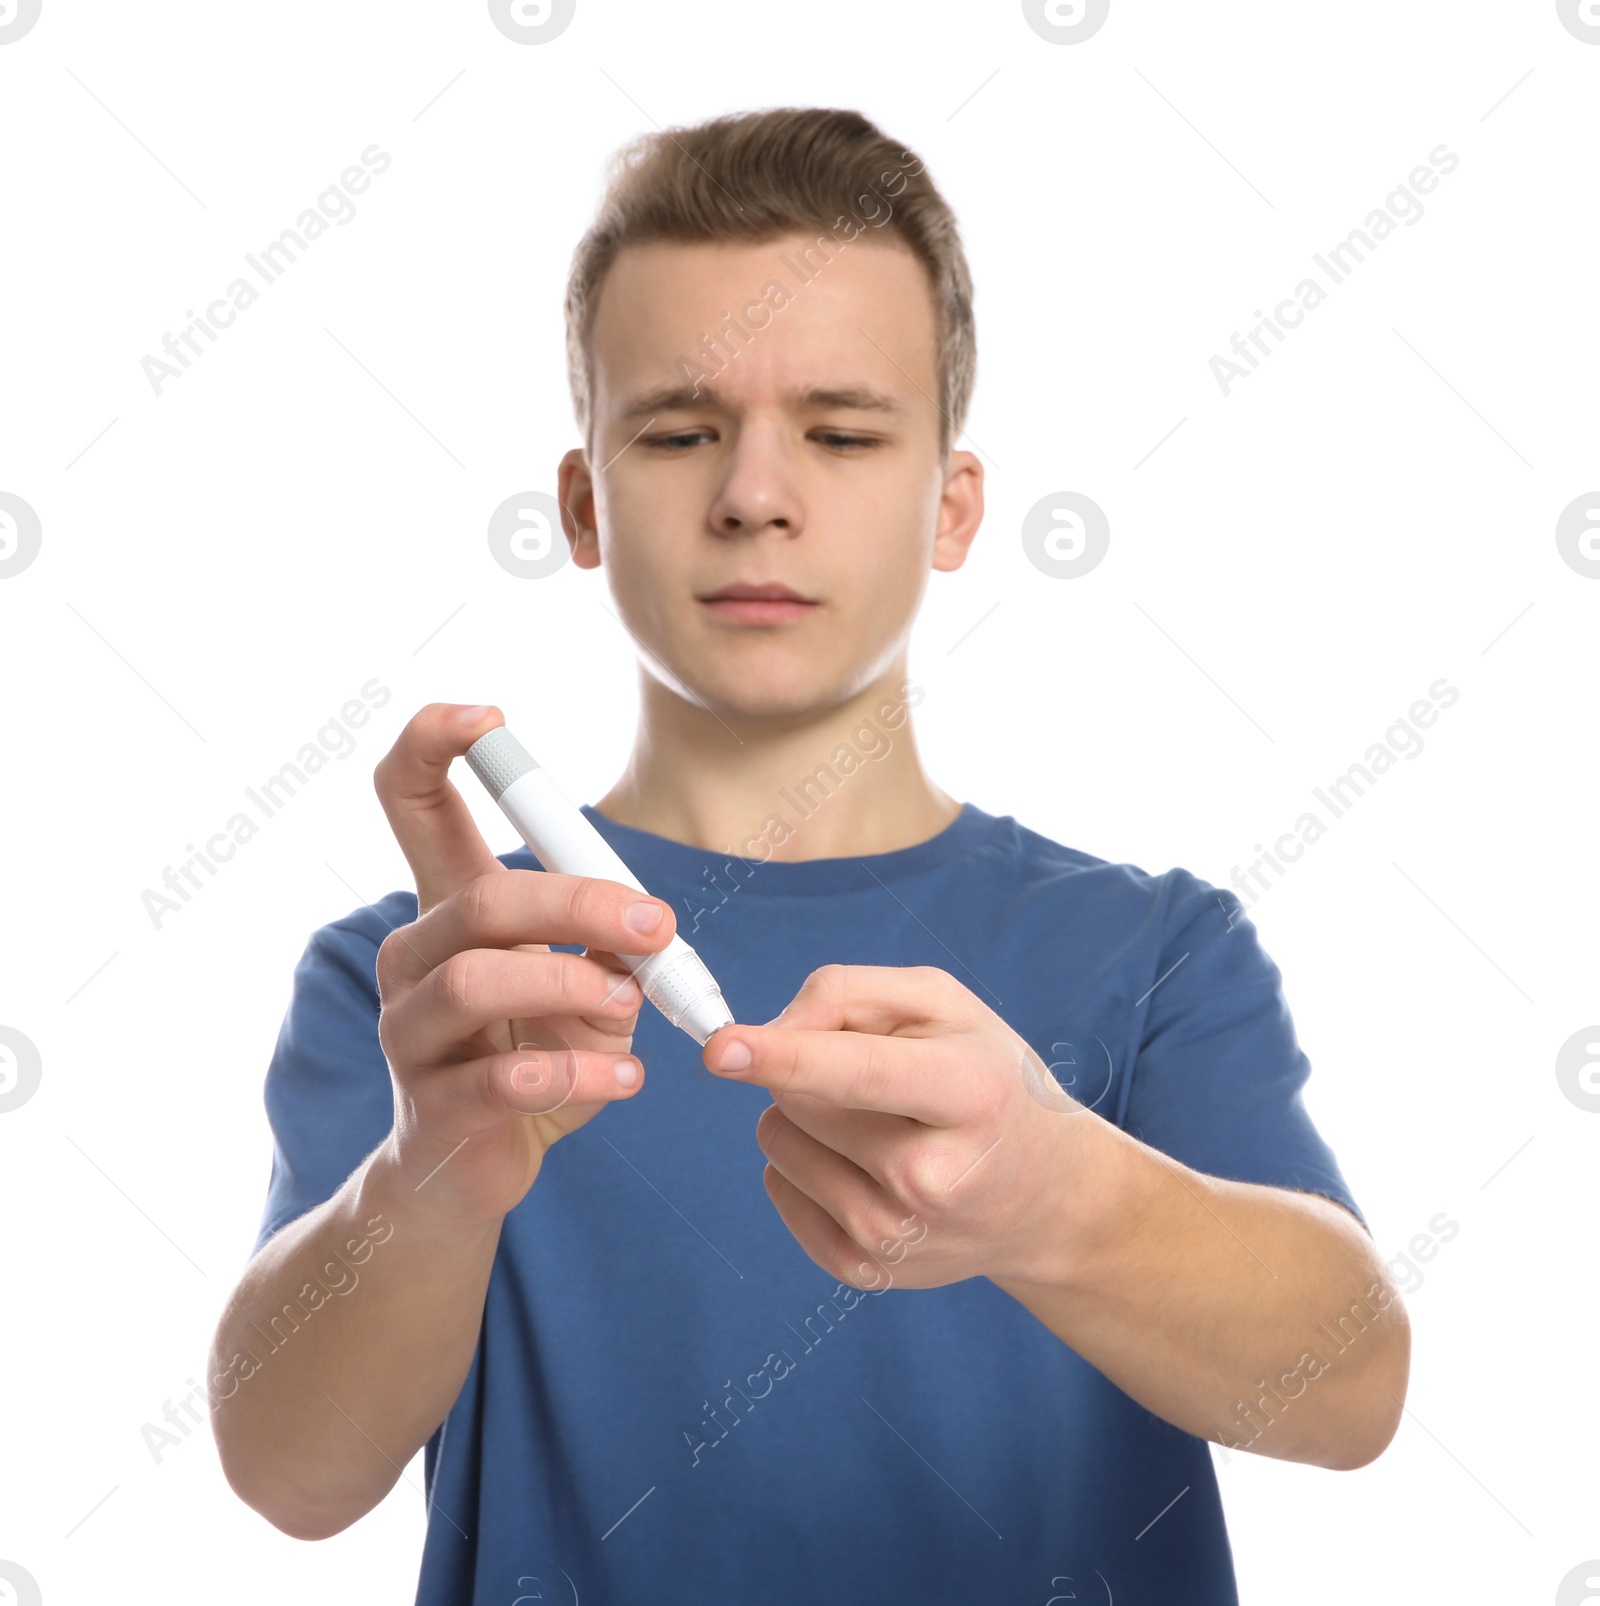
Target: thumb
428,816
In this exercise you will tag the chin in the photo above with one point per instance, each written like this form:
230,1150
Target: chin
775,691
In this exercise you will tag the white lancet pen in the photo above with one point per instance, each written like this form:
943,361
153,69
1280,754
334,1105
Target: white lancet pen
675,980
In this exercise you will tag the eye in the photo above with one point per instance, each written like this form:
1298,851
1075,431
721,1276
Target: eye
672,442
683,440
864,442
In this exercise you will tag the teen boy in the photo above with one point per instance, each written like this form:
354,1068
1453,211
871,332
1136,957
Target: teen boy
934,1287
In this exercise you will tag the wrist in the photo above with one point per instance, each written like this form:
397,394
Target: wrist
1093,1216
385,1189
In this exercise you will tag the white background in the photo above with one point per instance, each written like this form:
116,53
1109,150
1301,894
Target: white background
224,565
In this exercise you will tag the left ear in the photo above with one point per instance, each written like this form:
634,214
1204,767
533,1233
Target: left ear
960,510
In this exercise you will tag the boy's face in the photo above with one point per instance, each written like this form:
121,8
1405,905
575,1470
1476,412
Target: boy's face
752,477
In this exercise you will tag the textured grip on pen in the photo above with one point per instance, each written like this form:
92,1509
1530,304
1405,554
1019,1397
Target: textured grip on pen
497,758
676,986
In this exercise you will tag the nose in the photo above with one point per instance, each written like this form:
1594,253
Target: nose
758,490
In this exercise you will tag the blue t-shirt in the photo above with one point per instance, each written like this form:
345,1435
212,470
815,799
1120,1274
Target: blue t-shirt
671,1402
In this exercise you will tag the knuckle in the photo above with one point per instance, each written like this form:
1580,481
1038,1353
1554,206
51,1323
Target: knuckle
886,1246
917,1176
586,901
874,1076
496,1079
561,983
386,1037
826,982
861,1228
903,1173
596,905
785,1067
481,899
456,981
390,964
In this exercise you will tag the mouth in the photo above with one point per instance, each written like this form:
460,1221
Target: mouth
766,604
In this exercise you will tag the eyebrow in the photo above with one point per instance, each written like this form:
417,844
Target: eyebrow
684,398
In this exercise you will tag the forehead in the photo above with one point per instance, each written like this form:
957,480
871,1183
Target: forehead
862,313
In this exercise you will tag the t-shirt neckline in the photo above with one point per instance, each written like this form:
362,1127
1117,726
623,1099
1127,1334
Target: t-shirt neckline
683,862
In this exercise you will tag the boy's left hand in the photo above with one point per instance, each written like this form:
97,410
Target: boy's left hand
910,1125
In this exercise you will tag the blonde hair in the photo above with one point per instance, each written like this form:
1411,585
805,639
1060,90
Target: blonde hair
754,176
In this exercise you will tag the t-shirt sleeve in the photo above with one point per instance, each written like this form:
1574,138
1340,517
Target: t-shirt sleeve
1217,1082
328,1095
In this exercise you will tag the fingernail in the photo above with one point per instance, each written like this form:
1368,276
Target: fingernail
642,917
471,716
735,1057
627,1073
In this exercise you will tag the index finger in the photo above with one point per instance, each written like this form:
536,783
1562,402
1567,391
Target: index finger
428,816
916,1076
538,907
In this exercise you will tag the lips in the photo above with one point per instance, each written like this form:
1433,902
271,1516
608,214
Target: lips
768,603
766,591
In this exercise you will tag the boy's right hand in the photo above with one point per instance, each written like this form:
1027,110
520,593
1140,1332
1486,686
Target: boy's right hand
472,981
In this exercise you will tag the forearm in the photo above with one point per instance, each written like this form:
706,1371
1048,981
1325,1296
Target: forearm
343,1347
1259,1318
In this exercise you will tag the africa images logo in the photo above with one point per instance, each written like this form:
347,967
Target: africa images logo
531,22
16,18
20,536
1066,22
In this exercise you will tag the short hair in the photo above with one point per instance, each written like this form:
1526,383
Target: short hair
755,176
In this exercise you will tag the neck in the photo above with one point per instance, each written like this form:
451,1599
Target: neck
781,788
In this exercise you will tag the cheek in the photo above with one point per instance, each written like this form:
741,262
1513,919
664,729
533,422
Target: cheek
895,590
887,565
635,518
642,570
